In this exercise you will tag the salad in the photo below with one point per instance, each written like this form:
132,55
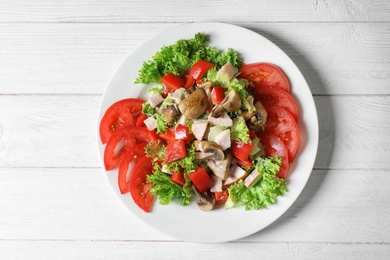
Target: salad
214,130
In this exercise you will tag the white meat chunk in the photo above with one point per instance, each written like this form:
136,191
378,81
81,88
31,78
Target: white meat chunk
155,100
226,72
223,139
178,95
199,128
237,174
217,184
223,120
252,178
151,123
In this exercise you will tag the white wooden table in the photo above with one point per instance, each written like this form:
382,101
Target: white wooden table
56,58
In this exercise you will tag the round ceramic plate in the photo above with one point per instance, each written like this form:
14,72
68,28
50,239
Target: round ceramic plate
189,223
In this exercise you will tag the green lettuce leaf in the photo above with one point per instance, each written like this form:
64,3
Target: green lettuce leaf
264,193
165,189
180,56
239,131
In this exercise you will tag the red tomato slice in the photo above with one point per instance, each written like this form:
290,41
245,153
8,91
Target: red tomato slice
123,182
201,179
277,96
265,74
182,132
200,68
120,114
274,146
139,189
172,82
175,151
168,135
189,81
221,197
282,124
218,94
178,178
241,151
124,139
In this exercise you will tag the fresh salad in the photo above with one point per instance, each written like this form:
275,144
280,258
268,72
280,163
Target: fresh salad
214,131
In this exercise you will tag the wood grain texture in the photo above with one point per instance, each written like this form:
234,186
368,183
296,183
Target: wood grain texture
340,58
61,131
336,206
57,57
173,250
209,10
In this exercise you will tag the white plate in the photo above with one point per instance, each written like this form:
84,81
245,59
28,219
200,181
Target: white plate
189,223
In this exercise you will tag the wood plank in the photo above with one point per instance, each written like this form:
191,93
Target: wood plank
201,10
75,204
172,250
340,58
61,130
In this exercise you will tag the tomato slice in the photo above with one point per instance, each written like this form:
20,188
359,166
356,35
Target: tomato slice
277,96
178,178
264,74
139,189
140,120
241,151
201,179
168,135
217,94
175,151
200,68
123,171
274,146
182,132
120,114
281,123
221,197
189,81
172,82
128,138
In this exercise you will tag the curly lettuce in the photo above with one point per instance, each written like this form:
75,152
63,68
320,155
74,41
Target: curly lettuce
240,131
167,190
264,193
180,56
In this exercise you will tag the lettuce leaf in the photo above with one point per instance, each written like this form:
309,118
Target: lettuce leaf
262,194
180,56
239,131
165,189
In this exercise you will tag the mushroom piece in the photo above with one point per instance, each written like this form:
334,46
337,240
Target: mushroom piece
208,87
261,110
230,103
209,150
223,168
256,119
194,105
205,200
169,113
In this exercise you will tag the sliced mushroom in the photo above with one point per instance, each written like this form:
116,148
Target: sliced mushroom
205,200
194,105
230,103
208,87
217,111
256,119
169,113
261,110
210,150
